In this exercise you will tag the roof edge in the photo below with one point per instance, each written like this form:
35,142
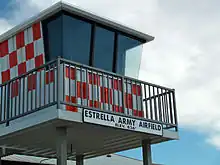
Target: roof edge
106,21
78,11
25,24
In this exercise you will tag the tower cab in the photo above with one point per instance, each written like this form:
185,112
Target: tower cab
93,43
69,89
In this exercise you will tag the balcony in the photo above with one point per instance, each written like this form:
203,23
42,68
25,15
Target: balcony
71,87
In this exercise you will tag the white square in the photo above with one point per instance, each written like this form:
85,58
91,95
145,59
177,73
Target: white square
12,44
0,81
38,47
4,63
21,55
28,36
14,72
30,64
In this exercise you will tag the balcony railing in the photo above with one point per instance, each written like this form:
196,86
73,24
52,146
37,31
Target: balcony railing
75,86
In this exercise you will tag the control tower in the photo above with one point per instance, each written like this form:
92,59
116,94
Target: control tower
69,89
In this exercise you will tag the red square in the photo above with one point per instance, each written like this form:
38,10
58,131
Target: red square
20,40
5,76
71,100
128,100
29,51
117,84
14,89
13,61
50,76
31,82
4,48
71,73
22,68
39,61
94,104
136,89
82,90
36,31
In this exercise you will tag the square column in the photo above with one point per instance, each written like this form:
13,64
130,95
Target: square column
79,160
146,151
61,143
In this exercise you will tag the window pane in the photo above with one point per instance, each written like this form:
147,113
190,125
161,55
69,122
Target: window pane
76,39
54,39
128,56
104,48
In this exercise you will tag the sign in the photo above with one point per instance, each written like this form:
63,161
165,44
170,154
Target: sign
116,121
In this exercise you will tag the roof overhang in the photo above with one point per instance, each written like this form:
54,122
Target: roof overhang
79,12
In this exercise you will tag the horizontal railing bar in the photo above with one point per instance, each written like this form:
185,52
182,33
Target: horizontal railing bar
146,99
29,112
87,67
27,73
113,74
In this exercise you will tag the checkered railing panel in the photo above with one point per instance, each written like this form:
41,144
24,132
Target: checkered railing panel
72,87
101,91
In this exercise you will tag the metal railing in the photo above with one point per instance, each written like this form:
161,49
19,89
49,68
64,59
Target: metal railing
73,86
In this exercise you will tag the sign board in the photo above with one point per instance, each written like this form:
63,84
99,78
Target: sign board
122,122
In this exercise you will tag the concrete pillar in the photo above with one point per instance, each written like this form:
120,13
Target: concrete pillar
61,143
79,160
146,151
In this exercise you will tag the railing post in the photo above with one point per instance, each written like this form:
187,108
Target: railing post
123,94
58,83
8,105
175,111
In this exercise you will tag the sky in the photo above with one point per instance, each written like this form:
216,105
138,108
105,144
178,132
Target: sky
184,56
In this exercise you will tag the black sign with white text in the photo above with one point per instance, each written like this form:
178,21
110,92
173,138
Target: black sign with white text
111,120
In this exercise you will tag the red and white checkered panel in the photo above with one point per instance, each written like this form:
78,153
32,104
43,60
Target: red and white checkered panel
81,88
97,91
21,53
133,99
36,90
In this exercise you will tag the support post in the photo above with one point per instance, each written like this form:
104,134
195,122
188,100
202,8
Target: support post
61,143
146,151
79,160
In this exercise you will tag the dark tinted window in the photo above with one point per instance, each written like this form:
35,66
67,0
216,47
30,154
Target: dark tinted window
70,38
76,40
125,46
53,41
104,48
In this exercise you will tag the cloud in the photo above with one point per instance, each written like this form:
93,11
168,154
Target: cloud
184,55
4,25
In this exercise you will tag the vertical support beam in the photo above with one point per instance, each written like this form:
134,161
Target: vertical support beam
61,143
79,160
146,151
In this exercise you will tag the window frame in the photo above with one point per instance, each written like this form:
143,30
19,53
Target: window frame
92,38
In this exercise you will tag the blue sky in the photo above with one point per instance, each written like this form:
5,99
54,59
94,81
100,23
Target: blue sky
184,55
190,149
